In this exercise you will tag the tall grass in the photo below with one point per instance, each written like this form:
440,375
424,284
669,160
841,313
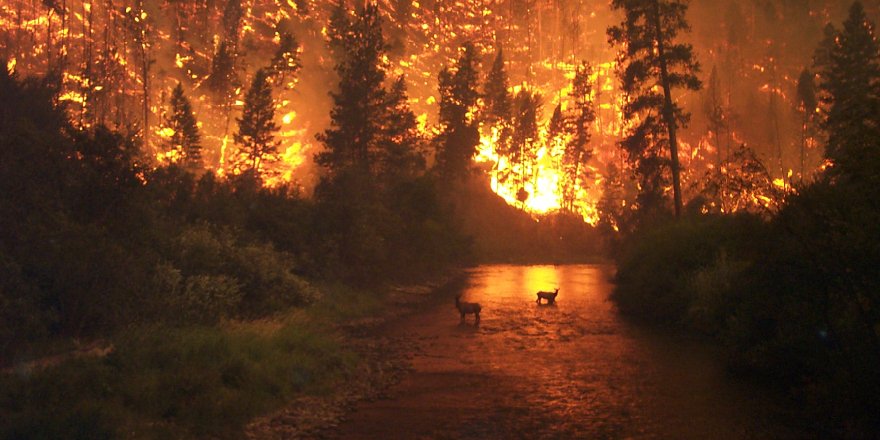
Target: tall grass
191,382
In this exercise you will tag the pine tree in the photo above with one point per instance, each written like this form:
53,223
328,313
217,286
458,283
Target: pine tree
527,111
185,132
496,97
256,127
651,57
497,109
353,141
849,70
402,152
459,137
222,79
557,131
577,153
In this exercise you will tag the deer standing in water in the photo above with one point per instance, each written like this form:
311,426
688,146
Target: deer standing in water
549,296
467,307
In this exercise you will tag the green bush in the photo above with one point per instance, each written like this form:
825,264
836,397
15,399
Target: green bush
657,268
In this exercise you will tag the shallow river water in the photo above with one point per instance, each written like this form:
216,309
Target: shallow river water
575,369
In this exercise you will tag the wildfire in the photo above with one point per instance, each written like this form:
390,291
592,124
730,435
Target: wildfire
122,76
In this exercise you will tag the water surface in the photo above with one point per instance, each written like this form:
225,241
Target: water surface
575,369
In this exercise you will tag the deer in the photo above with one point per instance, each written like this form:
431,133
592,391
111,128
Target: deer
468,307
549,296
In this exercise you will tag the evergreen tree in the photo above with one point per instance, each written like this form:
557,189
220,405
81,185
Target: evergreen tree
459,137
577,153
651,57
557,131
353,141
527,109
185,132
498,108
256,127
402,153
222,79
849,70
232,15
496,97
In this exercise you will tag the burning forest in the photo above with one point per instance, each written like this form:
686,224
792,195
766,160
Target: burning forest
240,218
548,138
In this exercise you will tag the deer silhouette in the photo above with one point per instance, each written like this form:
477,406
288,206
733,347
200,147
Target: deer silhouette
468,307
549,296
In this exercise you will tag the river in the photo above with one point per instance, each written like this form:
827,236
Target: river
574,369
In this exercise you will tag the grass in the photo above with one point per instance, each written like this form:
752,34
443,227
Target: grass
191,382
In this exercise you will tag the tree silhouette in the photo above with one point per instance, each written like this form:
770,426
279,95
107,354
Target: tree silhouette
185,136
353,140
527,109
651,57
577,153
256,127
459,136
848,62
401,156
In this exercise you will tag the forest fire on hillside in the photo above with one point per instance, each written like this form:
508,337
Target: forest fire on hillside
118,61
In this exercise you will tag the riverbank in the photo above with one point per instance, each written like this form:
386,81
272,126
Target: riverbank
292,375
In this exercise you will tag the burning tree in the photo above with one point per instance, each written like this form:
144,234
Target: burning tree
183,133
651,57
256,127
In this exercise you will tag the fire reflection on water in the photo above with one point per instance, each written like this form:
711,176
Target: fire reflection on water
574,370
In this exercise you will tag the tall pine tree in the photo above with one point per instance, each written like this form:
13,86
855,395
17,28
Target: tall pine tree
460,136
402,154
523,157
651,57
354,139
849,71
577,152
256,127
